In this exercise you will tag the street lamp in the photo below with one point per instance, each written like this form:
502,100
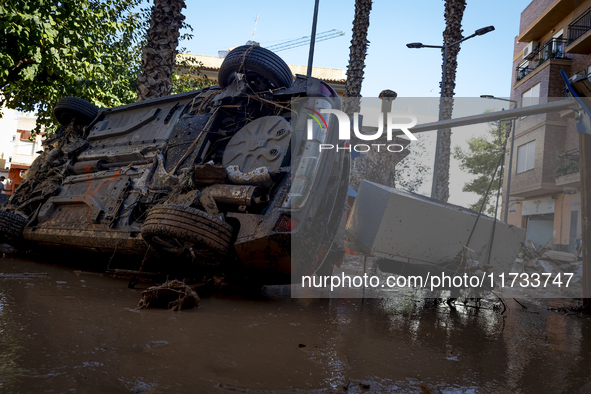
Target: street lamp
417,45
312,39
506,213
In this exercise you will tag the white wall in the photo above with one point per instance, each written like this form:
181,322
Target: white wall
23,150
8,127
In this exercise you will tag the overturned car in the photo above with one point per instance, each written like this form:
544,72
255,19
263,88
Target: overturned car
205,176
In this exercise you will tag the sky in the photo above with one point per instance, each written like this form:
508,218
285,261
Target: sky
484,62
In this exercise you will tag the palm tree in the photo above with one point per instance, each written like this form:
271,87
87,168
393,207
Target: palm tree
358,51
454,12
159,53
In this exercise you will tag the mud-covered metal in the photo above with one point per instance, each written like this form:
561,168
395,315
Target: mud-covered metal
222,152
259,176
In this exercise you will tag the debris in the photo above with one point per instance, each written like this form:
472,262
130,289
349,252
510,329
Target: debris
559,256
173,294
531,263
347,371
543,260
548,266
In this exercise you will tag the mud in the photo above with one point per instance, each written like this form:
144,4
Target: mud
75,331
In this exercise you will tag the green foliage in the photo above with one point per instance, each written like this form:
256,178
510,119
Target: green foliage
187,75
481,159
55,48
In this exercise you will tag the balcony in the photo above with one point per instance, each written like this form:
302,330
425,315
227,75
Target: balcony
567,172
548,19
552,49
568,162
579,34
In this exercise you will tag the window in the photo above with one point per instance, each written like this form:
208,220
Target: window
531,96
526,155
25,148
523,69
557,44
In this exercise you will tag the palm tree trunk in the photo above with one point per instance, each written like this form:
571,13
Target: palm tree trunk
454,12
158,56
358,51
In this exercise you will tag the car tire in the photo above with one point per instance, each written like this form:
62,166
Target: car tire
69,108
12,225
248,58
178,230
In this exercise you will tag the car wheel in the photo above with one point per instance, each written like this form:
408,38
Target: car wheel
179,230
247,59
69,108
12,225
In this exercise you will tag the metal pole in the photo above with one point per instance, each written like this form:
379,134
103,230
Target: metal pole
506,215
568,103
441,96
585,171
312,39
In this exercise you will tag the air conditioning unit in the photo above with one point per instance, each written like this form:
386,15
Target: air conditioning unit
532,46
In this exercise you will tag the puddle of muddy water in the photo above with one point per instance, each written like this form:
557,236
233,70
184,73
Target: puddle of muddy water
70,331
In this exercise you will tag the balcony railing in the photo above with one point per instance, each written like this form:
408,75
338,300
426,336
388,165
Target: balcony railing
555,48
568,163
579,26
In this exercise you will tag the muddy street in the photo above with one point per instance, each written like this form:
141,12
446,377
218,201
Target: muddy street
77,331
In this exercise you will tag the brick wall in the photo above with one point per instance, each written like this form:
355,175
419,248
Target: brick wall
571,138
553,142
580,63
524,181
532,11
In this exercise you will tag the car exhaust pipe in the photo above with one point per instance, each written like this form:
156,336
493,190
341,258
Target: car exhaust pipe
240,195
86,167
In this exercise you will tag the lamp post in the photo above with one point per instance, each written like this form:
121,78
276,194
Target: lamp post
417,45
312,40
506,213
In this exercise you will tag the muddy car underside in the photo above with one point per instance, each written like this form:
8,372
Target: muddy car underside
200,175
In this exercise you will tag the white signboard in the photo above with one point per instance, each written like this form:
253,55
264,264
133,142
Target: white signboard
538,206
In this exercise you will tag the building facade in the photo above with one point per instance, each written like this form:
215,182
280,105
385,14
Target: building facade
17,151
336,78
554,35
